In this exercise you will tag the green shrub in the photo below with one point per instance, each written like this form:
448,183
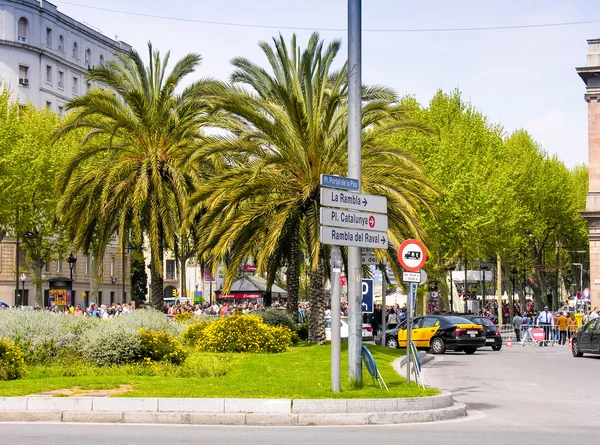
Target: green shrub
12,365
192,332
244,333
278,317
302,331
160,346
111,344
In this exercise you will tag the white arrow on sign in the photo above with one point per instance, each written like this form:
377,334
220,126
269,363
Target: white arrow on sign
355,220
355,238
356,201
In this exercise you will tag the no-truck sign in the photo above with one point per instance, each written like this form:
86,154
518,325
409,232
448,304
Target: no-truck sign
412,255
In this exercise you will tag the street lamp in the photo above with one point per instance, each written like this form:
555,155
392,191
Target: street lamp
483,266
23,278
451,304
580,281
71,260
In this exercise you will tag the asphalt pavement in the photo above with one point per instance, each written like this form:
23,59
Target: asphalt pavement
516,395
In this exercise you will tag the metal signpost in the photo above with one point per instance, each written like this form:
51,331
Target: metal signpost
354,220
412,257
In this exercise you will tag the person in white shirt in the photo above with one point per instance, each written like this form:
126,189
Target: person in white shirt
594,314
545,320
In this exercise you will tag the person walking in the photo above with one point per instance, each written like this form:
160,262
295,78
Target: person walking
545,320
517,323
562,321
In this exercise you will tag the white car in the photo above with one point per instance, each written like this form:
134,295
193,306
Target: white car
367,330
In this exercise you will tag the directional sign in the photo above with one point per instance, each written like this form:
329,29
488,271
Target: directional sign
354,220
412,255
370,260
367,295
411,277
339,182
356,201
356,238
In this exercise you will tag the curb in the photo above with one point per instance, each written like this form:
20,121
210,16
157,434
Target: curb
250,412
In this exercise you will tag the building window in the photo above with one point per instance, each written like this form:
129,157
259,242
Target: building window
75,51
58,266
48,74
60,110
88,56
22,30
170,269
48,105
61,79
47,267
87,264
88,86
112,267
49,37
61,44
101,59
23,75
75,85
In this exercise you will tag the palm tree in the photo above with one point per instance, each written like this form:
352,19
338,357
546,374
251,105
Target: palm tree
129,174
290,126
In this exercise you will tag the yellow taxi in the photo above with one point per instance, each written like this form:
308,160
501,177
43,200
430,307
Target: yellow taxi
439,333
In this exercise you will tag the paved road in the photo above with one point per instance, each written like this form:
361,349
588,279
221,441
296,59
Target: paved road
518,395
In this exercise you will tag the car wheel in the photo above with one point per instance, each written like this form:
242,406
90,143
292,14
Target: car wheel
437,345
470,351
391,342
575,349
497,347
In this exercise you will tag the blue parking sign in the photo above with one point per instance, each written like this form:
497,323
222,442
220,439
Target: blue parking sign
367,295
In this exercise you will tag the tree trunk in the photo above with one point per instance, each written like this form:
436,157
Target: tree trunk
94,277
499,289
156,279
37,267
317,304
293,275
183,277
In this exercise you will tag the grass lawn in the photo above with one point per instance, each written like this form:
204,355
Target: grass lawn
302,372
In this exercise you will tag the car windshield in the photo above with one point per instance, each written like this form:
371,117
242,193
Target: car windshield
459,320
483,321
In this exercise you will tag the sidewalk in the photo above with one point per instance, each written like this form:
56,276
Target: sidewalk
256,412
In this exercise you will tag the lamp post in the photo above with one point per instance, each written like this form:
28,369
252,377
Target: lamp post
580,281
23,278
513,274
71,260
451,304
483,266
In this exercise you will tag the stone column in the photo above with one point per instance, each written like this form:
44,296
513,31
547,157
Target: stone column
590,74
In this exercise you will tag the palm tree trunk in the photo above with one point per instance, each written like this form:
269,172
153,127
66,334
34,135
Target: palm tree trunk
183,277
317,304
293,276
94,277
156,276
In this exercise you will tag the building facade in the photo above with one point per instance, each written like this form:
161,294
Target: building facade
45,55
44,58
590,74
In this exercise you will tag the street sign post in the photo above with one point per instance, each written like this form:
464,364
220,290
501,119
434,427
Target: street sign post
367,295
339,182
353,220
352,237
354,201
412,255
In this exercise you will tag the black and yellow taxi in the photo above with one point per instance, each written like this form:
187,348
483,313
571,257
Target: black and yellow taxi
439,333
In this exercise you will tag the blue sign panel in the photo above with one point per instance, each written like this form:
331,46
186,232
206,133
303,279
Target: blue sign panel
339,182
367,295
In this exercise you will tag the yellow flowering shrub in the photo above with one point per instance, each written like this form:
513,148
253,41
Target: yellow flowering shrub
157,346
244,333
183,317
192,332
12,364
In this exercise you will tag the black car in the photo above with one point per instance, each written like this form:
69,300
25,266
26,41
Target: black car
587,339
439,333
492,334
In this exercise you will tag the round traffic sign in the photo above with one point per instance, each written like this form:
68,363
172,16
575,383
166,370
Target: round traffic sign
586,293
538,334
412,255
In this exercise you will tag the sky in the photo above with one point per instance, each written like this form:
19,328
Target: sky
518,78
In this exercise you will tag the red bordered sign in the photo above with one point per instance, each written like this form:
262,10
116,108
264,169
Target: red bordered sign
412,255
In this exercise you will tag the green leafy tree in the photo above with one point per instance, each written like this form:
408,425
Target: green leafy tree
287,125
129,174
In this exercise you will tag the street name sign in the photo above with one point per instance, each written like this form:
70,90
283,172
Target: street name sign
411,277
351,237
369,260
339,182
354,201
353,220
412,255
